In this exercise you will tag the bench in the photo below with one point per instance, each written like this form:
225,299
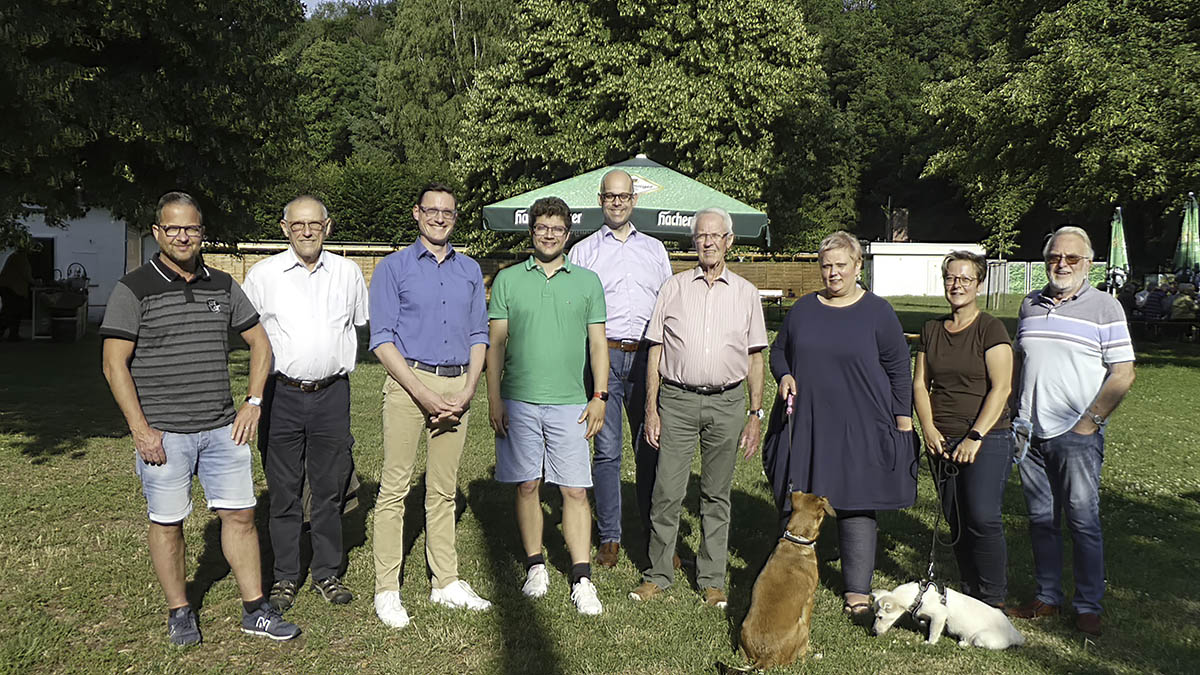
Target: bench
773,299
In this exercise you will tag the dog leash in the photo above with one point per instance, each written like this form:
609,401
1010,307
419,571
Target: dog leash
942,471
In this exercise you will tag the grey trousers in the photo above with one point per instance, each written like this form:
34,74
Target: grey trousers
717,421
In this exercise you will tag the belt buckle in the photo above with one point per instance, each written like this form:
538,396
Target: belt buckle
308,386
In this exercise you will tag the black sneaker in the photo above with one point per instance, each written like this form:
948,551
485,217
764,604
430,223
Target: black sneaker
266,621
182,628
331,589
283,595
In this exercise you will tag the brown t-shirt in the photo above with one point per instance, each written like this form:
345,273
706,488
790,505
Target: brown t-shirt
958,372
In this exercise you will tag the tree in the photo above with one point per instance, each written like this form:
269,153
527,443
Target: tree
729,92
433,51
1084,105
111,104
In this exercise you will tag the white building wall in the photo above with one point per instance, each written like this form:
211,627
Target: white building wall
910,268
96,241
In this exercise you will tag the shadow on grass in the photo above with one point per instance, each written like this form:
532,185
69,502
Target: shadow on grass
55,398
527,645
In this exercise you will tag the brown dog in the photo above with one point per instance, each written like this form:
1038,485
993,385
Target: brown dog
775,632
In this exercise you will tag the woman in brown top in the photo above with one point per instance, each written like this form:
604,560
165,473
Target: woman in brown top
961,384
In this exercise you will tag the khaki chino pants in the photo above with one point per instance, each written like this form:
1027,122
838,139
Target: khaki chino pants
403,424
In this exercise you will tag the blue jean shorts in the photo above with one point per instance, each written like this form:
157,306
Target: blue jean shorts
222,465
544,441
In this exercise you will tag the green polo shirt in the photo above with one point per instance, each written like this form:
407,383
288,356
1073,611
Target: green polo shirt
547,330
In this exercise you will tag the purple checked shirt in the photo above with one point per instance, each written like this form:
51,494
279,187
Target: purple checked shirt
631,272
433,312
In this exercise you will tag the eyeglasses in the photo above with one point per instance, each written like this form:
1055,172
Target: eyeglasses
556,230
309,226
714,236
430,212
617,197
961,281
1055,258
192,231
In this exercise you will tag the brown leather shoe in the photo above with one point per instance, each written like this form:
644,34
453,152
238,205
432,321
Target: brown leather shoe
1035,609
646,591
608,554
715,597
676,562
1088,623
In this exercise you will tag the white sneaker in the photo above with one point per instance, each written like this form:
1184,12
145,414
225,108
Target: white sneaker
389,609
459,595
585,599
537,582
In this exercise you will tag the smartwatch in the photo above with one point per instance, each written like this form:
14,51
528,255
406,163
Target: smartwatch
974,435
602,395
254,400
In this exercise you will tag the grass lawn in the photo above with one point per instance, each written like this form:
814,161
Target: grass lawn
80,595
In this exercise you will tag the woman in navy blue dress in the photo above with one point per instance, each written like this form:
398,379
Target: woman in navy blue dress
842,353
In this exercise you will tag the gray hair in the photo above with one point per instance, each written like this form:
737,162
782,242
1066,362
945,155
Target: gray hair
306,198
713,211
841,239
1069,229
176,197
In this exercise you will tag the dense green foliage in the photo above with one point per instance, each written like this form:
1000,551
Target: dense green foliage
981,120
108,103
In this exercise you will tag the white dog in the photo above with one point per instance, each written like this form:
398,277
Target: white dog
975,623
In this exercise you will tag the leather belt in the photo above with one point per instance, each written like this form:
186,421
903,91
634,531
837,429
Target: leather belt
440,371
704,391
626,345
308,386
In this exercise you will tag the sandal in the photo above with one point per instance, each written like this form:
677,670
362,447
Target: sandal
858,611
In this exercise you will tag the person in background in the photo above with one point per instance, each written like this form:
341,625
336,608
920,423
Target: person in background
16,278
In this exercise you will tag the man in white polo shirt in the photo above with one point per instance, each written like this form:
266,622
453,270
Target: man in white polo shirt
1076,366
309,301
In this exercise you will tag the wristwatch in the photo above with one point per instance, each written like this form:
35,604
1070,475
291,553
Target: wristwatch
254,400
759,413
1096,419
974,435
602,395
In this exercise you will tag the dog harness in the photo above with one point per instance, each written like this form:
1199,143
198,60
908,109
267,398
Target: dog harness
925,586
798,540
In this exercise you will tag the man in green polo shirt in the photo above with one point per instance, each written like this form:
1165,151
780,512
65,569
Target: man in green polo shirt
547,319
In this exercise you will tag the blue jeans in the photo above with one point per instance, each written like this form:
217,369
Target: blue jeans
1064,473
626,389
972,502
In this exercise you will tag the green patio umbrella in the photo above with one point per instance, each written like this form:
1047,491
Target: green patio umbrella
1118,256
1187,253
667,200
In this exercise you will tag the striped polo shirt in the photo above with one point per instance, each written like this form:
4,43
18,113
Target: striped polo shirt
181,333
1066,349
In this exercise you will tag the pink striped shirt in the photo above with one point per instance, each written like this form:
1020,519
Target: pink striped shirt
707,333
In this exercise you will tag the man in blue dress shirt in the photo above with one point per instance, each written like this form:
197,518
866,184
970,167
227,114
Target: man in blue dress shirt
429,329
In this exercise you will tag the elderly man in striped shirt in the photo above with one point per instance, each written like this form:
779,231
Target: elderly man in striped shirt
1076,366
708,335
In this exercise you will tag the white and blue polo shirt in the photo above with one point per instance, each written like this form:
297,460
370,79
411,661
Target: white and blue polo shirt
1067,348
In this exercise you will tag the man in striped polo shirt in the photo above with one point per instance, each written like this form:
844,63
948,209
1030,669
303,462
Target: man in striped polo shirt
166,345
1076,365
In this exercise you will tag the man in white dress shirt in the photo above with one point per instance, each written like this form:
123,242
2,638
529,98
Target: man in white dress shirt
309,301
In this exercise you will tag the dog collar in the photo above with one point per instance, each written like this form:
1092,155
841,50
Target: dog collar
925,586
798,540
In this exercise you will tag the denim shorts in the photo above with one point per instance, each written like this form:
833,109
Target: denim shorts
544,441
222,465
